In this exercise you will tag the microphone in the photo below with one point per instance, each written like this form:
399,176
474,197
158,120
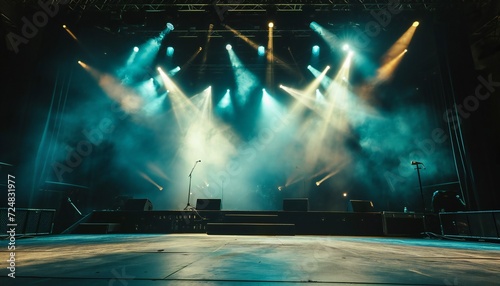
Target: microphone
195,163
416,163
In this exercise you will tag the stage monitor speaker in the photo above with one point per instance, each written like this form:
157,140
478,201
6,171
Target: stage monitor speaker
297,205
360,206
208,204
138,205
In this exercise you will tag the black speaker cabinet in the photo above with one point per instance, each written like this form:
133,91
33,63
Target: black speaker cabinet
297,205
138,205
360,206
208,204
403,224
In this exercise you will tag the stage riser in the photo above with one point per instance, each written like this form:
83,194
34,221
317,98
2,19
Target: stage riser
319,223
248,218
28,221
483,225
403,224
250,229
155,221
332,223
98,228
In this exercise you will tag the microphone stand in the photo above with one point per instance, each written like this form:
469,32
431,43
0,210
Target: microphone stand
188,206
222,193
420,185
424,219
73,205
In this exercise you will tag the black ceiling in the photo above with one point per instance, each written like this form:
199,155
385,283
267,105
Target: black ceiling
263,5
192,17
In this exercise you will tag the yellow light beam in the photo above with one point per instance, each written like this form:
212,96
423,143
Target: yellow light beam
316,82
191,59
270,57
274,57
203,101
69,32
207,43
129,101
147,178
243,37
328,176
386,71
400,45
303,99
183,108
158,171
325,82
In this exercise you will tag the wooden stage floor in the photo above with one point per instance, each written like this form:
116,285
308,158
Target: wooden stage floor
201,259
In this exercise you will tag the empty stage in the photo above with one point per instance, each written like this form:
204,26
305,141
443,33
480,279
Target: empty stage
201,259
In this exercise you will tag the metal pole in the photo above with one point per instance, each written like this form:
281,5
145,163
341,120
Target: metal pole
420,185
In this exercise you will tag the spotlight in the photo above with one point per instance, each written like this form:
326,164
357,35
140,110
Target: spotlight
318,183
344,194
173,71
228,47
270,25
170,26
261,50
415,24
345,47
136,49
170,51
405,51
64,26
315,50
